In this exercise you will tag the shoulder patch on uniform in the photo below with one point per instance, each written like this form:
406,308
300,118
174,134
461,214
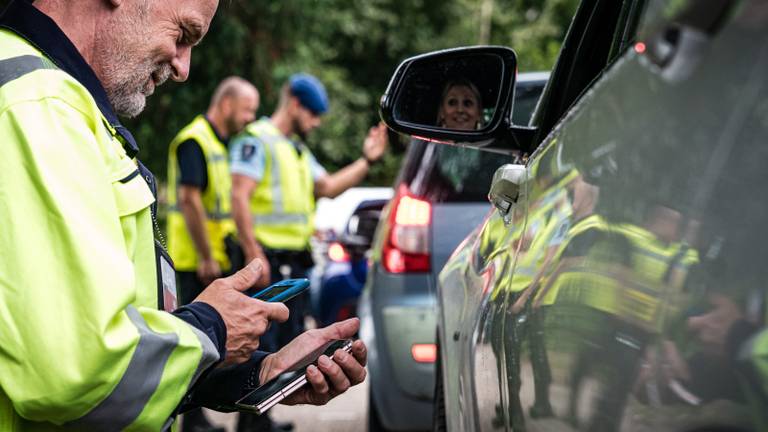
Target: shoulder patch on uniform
247,152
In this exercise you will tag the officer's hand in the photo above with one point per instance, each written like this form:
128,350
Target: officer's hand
376,142
712,328
208,270
246,318
331,377
256,252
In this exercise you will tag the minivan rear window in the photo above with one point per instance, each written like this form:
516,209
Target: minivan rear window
444,173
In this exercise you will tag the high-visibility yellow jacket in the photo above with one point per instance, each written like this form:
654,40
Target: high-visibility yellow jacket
216,198
283,204
82,344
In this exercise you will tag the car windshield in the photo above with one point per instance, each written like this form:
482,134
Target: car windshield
444,173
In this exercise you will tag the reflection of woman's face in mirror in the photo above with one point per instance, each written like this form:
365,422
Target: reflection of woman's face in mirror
460,108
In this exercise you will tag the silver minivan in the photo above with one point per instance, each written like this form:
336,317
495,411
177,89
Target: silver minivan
621,281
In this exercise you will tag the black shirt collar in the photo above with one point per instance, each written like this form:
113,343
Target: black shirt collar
41,31
219,137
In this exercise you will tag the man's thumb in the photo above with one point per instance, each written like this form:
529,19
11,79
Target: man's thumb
343,329
247,276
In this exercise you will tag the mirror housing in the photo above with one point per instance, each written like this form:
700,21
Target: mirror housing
419,89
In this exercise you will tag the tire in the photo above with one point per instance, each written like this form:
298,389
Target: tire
438,413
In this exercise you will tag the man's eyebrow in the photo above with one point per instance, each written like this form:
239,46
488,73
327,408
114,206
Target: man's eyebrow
193,31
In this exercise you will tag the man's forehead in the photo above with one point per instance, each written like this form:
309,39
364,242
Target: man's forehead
195,9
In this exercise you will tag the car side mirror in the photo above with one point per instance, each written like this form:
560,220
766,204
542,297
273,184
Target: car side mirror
460,96
506,189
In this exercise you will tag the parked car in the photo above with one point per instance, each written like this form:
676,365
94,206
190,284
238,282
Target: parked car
620,282
440,194
331,219
346,266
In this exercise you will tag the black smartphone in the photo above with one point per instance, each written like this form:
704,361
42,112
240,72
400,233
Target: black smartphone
271,393
283,290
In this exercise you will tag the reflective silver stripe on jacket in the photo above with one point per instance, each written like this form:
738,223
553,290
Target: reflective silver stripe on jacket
271,140
280,219
140,380
16,67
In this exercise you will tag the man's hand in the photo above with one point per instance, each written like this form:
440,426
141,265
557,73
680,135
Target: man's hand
331,377
256,252
376,142
712,327
208,270
246,318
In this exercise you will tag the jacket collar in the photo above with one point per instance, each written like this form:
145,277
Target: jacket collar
42,32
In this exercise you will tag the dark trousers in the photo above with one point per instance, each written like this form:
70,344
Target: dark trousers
189,286
287,265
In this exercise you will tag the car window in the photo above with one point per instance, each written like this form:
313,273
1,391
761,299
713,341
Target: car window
600,30
445,173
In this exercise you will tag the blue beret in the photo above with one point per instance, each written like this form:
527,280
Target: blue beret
310,93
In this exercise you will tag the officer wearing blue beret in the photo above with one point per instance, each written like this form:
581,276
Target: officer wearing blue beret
275,181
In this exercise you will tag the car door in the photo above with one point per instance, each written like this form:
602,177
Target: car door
645,245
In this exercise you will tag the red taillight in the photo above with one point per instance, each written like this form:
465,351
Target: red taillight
424,353
337,253
407,247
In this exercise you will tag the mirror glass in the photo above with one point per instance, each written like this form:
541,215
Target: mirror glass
457,93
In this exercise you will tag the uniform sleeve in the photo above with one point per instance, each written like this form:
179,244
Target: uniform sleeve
193,169
80,344
247,157
315,168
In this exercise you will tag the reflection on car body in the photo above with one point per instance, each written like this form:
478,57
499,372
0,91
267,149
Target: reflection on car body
626,291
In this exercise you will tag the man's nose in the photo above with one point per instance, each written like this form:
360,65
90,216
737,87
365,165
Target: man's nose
180,64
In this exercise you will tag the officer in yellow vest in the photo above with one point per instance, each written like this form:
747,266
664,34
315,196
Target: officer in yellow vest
275,180
199,188
84,345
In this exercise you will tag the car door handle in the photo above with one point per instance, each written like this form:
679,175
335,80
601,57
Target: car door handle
506,189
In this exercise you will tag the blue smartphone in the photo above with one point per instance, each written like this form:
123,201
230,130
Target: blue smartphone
283,290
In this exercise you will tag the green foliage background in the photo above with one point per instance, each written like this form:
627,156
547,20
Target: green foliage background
353,47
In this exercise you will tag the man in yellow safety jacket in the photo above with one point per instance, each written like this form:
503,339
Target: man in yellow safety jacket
199,188
83,344
275,180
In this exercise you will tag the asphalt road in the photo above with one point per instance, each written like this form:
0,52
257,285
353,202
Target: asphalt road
346,413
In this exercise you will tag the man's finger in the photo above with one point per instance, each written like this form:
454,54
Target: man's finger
317,380
334,373
247,277
354,372
276,311
360,352
341,330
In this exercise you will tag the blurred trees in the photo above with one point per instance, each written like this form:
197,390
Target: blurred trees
353,47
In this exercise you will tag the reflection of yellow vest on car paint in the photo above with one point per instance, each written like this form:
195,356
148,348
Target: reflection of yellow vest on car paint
216,198
84,346
637,293
545,216
283,204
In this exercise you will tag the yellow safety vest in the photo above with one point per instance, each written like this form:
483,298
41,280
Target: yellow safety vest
83,346
216,198
283,204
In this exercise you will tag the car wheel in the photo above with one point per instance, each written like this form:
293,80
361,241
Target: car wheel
438,413
374,420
